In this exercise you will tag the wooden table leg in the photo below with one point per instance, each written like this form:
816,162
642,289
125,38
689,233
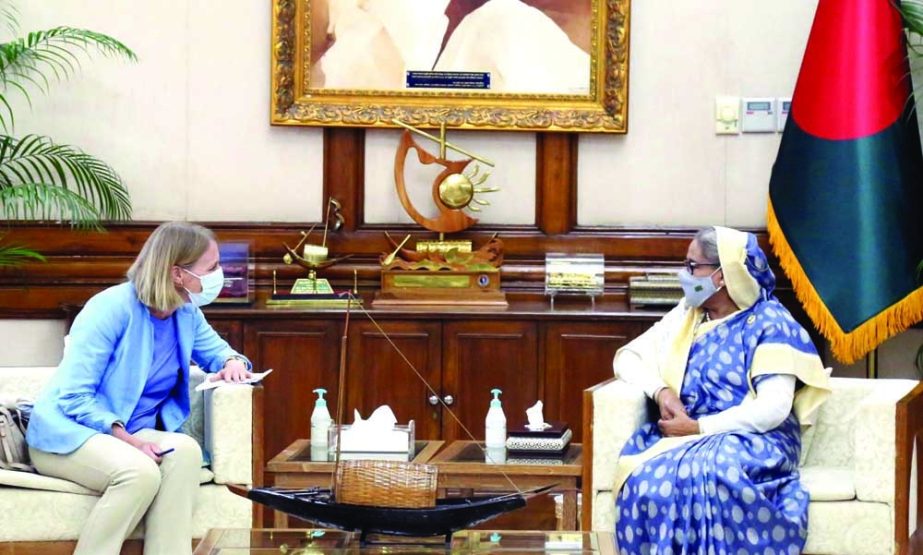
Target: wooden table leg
570,509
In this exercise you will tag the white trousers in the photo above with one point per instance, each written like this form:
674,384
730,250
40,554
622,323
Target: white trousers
133,486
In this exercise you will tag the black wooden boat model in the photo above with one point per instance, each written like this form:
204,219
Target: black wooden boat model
448,516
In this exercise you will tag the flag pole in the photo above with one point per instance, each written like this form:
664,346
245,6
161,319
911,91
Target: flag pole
871,364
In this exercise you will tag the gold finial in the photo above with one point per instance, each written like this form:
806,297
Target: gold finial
355,282
274,290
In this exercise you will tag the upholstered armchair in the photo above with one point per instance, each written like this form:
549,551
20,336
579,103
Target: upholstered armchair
226,422
858,462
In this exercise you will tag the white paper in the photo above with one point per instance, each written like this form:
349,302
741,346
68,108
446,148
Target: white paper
536,418
255,377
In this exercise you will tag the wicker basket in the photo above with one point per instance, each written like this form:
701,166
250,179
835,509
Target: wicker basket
386,484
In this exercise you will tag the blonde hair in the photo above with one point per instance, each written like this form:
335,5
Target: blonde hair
171,244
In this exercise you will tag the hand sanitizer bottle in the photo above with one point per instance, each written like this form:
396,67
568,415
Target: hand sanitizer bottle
495,423
320,420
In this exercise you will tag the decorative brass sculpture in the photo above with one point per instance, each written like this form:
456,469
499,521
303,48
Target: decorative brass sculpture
443,271
311,290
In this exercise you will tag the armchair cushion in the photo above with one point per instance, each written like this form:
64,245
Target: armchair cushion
828,484
29,480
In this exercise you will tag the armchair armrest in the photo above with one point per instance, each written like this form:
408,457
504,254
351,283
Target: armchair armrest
612,411
232,433
874,439
908,519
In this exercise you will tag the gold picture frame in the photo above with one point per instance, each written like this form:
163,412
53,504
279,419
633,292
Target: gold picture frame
296,100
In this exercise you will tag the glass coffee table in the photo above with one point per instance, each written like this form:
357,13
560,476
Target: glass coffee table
317,541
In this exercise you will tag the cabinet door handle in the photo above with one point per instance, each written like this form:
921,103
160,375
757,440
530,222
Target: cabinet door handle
448,400
433,400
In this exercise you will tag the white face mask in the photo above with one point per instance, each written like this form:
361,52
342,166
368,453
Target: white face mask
211,286
697,289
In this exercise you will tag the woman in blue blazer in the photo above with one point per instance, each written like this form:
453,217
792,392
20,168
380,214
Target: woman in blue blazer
110,417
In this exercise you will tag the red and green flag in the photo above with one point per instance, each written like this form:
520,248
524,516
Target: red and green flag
845,210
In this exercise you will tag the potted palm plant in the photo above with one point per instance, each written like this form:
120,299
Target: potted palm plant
39,178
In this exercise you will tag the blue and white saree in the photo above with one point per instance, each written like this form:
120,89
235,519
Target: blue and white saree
725,493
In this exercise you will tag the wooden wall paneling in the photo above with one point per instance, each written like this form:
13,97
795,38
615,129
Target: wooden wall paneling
378,375
556,182
482,355
344,173
579,355
304,355
81,263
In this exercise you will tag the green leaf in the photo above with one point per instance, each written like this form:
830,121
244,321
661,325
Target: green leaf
16,255
38,178
43,57
34,161
38,201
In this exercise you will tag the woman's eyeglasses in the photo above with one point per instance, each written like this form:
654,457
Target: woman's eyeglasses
691,265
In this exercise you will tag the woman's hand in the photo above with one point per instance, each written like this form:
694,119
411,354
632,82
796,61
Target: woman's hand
669,403
146,447
679,425
150,449
234,371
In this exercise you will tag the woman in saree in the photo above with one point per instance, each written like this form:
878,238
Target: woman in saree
733,376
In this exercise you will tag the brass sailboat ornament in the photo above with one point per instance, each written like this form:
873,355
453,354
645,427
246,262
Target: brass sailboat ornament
443,272
312,291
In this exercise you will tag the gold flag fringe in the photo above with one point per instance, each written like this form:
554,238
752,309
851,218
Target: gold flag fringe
846,347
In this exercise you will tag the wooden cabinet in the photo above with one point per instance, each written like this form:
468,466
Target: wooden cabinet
231,331
378,374
482,355
303,355
578,355
528,351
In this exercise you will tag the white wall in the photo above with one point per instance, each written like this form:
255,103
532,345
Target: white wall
671,168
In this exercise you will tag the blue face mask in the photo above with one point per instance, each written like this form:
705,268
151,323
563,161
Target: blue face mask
211,286
697,289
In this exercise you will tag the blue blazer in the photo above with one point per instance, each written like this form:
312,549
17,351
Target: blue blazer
106,365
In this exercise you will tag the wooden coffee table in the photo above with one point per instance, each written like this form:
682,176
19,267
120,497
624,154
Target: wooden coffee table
462,466
296,468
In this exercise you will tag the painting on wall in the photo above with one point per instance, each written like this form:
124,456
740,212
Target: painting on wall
529,65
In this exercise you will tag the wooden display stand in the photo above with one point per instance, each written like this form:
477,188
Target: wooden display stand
424,287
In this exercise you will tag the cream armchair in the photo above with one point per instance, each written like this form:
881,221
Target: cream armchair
857,462
224,421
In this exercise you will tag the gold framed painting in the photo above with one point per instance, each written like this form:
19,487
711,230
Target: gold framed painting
515,65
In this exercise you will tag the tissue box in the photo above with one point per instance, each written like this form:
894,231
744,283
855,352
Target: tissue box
399,440
552,440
